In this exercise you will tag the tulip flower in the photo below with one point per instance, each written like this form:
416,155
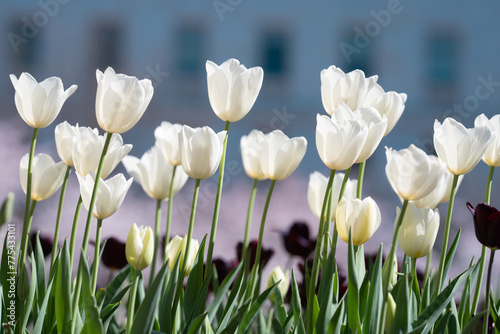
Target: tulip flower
39,103
121,100
486,224
46,178
277,275
267,253
317,188
178,245
88,147
362,217
110,193
281,155
65,138
491,156
411,173
418,230
297,241
232,88
139,247
113,255
167,138
460,148
349,88
154,173
251,156
340,138
201,151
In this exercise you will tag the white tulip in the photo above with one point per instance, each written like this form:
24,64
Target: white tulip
361,217
65,138
201,151
281,155
278,275
178,245
110,193
154,173
232,88
139,247
491,156
167,138
460,148
39,103
250,154
121,100
47,176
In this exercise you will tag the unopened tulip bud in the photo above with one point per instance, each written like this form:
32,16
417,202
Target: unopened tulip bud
277,275
139,247
178,245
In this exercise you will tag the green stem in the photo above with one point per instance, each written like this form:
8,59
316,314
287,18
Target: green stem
428,266
488,288
131,301
58,220
169,212
24,244
315,270
74,230
97,250
335,235
249,219
94,194
390,260
215,218
482,262
157,238
414,268
26,223
361,174
446,234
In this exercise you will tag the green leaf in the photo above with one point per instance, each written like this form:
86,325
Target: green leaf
279,305
352,289
471,324
336,321
7,209
37,329
233,324
221,292
93,323
432,312
167,297
297,307
276,326
449,258
325,295
40,269
402,318
113,288
144,317
196,323
371,319
255,308
63,291
195,287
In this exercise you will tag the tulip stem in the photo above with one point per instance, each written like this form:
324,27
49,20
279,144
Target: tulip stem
24,245
74,230
157,237
97,250
169,212
329,217
482,262
361,174
446,235
249,219
131,301
389,260
215,218
58,220
26,224
314,274
488,288
428,266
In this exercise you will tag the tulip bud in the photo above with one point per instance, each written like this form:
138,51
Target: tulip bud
139,247
361,217
47,176
39,103
391,312
232,88
418,230
277,275
486,224
178,245
121,100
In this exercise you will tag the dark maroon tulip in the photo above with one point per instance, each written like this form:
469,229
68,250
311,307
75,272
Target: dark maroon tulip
486,224
296,240
45,242
113,255
266,253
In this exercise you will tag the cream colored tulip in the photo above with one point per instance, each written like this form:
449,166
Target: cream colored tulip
418,230
178,245
278,275
362,217
139,247
317,188
201,151
65,138
110,193
39,103
411,173
281,155
121,100
251,155
461,148
167,138
491,156
232,88
154,173
47,176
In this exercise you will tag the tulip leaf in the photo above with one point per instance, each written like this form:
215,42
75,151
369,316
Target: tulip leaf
297,307
93,323
276,326
40,268
471,323
221,292
197,323
255,307
63,291
325,296
432,312
167,297
113,288
336,322
196,288
402,318
232,325
144,317
279,305
371,319
31,294
352,289
7,209
449,258
37,329
232,302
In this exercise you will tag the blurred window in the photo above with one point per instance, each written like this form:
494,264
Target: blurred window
108,45
25,43
190,59
274,54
